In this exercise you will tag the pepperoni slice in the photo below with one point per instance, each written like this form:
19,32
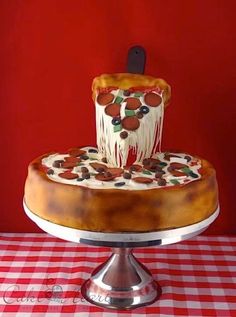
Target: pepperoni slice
143,180
151,164
76,152
68,175
153,100
113,110
104,98
104,178
135,168
115,171
98,166
177,173
132,103
168,156
72,159
69,164
177,166
151,161
130,123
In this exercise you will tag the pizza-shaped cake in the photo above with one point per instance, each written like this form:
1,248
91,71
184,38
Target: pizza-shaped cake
129,115
126,183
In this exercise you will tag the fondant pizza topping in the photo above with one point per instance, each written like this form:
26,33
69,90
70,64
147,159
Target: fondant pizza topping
139,115
84,169
143,180
177,165
57,163
129,113
68,175
101,169
177,173
69,164
119,184
116,121
151,162
154,172
113,110
76,152
127,175
152,99
174,181
116,171
161,181
104,160
105,177
86,175
50,171
118,99
105,98
84,157
137,123
147,172
118,128
135,168
124,135
97,166
193,175
144,109
72,159
168,156
153,166
126,93
92,151
130,123
132,103
188,158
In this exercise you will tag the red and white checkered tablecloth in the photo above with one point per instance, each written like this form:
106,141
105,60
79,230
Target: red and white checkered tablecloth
41,276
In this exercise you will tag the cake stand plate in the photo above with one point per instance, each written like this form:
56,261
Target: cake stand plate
122,282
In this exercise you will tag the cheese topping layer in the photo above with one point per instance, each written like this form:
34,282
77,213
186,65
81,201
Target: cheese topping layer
163,170
132,122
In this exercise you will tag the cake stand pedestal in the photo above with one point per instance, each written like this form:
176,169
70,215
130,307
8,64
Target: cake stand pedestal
122,282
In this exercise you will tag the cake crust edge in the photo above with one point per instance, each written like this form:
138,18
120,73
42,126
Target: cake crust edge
126,80
102,210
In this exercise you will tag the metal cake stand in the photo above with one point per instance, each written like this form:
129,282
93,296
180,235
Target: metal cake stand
121,282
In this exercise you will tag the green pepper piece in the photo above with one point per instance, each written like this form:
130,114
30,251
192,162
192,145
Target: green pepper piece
147,172
117,128
174,181
129,113
162,164
186,170
193,175
118,99
138,94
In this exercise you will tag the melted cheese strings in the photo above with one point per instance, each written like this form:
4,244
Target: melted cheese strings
143,142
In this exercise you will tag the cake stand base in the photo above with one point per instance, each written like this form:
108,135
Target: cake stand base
122,282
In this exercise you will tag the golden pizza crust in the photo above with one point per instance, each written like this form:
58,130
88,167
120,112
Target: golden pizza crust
114,210
126,80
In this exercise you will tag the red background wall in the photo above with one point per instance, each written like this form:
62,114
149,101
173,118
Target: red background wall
51,50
